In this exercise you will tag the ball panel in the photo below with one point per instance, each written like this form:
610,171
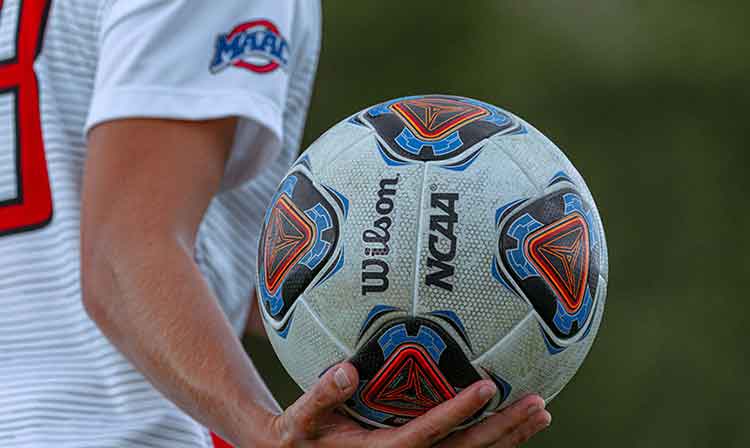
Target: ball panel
514,357
525,361
333,142
378,239
532,153
456,262
305,350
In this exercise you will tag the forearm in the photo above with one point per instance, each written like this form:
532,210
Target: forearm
150,299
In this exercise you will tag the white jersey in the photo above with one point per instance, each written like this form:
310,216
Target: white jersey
68,65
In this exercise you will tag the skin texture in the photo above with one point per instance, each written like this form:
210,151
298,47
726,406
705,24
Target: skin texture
147,185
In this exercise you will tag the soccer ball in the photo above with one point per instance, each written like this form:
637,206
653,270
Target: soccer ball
433,241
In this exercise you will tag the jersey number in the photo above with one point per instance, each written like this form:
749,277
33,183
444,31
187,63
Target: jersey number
32,206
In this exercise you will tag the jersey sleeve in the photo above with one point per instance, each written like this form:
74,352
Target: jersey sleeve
199,60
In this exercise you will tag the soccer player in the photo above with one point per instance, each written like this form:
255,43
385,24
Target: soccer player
139,143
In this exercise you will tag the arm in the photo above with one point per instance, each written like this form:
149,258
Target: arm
147,184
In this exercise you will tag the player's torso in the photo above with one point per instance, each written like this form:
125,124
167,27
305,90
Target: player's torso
61,383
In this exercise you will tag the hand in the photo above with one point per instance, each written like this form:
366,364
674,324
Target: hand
312,422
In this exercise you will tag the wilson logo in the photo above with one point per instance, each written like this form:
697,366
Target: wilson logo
442,240
374,267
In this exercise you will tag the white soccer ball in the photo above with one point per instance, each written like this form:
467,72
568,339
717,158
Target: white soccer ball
433,241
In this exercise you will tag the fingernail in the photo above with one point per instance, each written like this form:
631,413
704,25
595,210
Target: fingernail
487,391
533,409
341,379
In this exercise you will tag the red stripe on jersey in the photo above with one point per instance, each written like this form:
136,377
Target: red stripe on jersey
219,442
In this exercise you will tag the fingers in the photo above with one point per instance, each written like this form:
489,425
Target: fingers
431,427
533,425
332,390
509,428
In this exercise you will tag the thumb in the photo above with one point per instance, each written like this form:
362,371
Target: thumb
332,390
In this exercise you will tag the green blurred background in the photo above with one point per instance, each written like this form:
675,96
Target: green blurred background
650,101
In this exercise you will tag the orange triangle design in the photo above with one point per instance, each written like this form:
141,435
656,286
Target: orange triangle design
408,385
560,252
435,118
289,237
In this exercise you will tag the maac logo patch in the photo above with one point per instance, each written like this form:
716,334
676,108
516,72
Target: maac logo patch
257,46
